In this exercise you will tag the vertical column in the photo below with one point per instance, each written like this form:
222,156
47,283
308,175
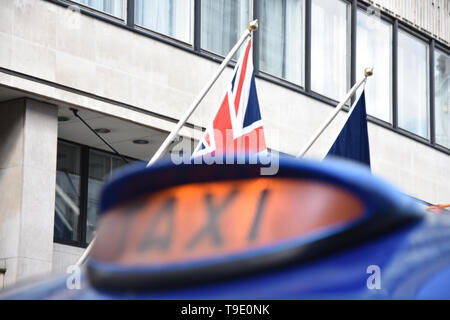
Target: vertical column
432,93
130,13
256,13
28,142
308,6
395,74
197,24
353,38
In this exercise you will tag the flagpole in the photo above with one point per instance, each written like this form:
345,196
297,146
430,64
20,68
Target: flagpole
367,73
86,253
252,26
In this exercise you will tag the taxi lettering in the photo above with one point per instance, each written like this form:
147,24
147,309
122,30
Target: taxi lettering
161,229
219,219
163,240
211,228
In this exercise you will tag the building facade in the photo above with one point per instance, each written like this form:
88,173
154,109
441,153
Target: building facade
131,67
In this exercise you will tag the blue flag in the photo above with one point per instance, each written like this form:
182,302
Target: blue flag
353,141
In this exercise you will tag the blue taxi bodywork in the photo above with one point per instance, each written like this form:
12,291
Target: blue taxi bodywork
396,251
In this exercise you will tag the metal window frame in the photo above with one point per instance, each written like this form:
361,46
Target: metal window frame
388,16
161,36
307,54
351,33
197,24
391,21
403,27
84,186
395,75
432,102
353,38
130,13
442,48
435,47
80,242
252,4
256,9
99,13
256,52
128,22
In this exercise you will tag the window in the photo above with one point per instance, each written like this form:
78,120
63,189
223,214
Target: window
76,206
282,38
442,97
374,49
101,166
169,17
67,198
222,23
412,84
330,39
112,7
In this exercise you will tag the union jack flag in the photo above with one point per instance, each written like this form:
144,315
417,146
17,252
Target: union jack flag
237,125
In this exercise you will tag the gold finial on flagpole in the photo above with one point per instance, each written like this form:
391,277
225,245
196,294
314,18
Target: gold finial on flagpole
368,72
253,25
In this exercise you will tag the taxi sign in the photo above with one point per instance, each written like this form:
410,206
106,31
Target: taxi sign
216,219
170,225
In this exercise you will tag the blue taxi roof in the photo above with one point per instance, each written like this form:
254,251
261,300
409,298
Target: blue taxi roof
137,180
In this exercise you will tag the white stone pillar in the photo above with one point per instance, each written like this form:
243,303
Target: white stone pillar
28,143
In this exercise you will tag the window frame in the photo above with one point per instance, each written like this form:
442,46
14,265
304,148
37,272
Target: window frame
79,231
252,5
397,22
351,42
271,77
391,21
105,14
433,48
430,108
84,184
162,36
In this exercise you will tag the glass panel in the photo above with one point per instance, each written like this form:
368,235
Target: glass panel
101,166
442,97
281,39
412,84
113,7
374,49
67,199
222,23
169,17
329,48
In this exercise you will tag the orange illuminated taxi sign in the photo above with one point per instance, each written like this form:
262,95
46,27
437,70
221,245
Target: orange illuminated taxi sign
217,219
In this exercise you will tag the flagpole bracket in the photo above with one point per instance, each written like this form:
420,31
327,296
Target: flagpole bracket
368,72
253,25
